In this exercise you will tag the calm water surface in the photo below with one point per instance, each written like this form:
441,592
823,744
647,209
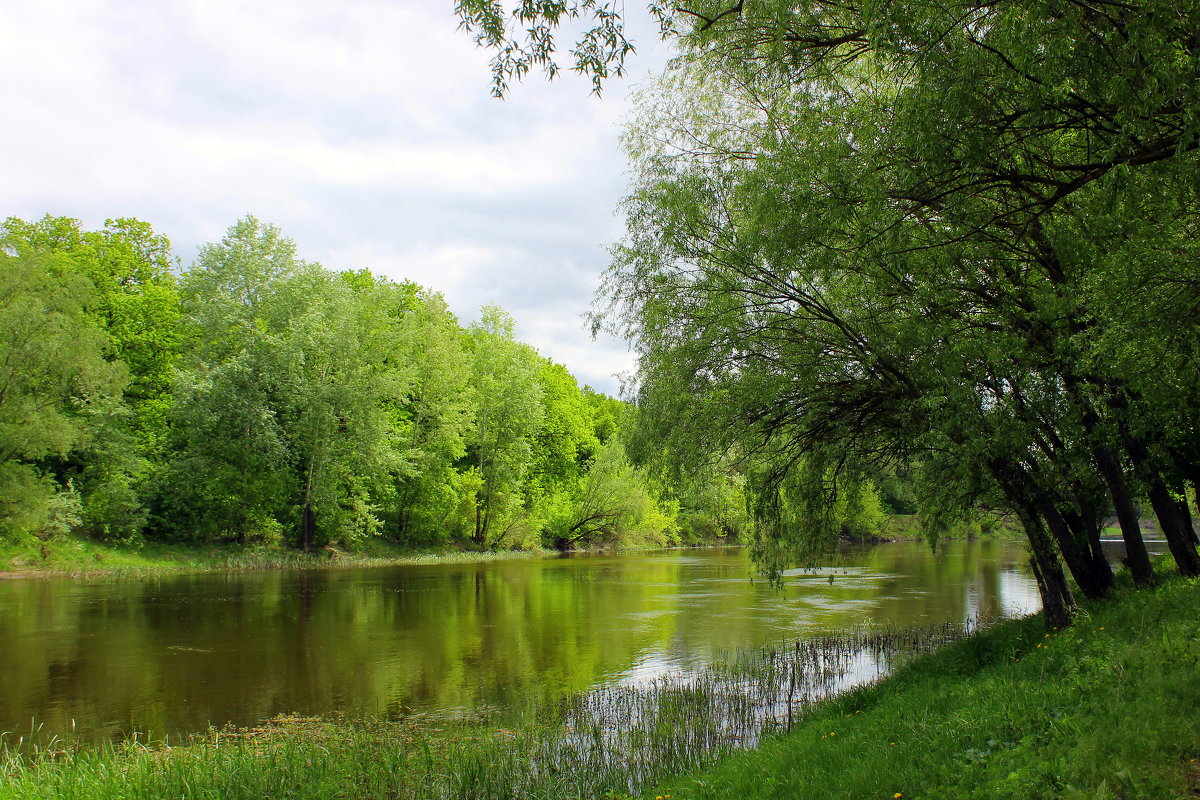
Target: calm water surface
175,654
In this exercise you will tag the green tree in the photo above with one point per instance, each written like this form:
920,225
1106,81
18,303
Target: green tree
55,382
136,304
614,504
338,349
136,308
283,420
508,415
231,475
886,230
433,420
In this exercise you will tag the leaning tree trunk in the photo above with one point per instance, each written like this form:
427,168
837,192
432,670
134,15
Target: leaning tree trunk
1084,523
1179,539
1185,514
1093,578
1137,558
1057,602
1024,491
1179,533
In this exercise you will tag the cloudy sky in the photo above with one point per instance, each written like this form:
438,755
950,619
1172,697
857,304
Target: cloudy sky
364,129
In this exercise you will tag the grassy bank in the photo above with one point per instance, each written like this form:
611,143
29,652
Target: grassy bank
1107,709
74,557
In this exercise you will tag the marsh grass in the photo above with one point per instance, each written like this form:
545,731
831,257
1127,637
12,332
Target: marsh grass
610,742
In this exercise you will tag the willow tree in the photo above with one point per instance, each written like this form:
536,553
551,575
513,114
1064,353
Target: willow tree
860,231
433,419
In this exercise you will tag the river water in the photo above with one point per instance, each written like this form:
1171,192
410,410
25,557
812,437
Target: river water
100,659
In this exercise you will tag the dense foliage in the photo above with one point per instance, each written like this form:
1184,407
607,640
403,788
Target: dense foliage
956,239
259,398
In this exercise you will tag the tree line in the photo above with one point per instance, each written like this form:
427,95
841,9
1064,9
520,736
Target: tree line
958,238
258,398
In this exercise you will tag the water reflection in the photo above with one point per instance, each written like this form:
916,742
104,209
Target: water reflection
176,654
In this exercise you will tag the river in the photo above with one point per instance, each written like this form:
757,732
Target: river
99,659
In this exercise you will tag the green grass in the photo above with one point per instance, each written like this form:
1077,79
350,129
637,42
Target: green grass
1106,709
75,557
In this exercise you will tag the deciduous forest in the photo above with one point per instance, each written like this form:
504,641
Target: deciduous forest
257,398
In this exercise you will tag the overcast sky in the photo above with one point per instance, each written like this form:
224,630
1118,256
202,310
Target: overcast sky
364,129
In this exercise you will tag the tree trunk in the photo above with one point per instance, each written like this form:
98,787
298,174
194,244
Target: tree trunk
308,527
1137,558
1057,603
1185,514
1178,532
1055,611
1085,527
1194,473
1166,509
1179,540
1093,579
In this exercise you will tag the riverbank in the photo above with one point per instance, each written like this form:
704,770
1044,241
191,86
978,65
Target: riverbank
76,557
1106,709
1109,708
